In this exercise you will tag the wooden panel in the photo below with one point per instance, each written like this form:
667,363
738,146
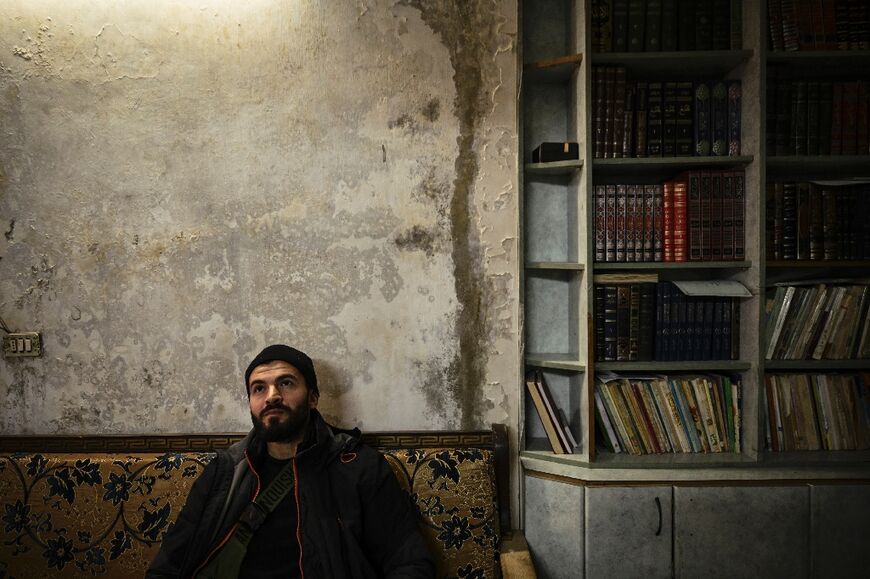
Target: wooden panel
739,532
840,527
628,532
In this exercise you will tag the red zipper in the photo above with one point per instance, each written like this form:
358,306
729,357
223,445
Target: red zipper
234,527
298,517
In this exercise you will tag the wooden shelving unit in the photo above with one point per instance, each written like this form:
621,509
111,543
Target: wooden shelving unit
558,225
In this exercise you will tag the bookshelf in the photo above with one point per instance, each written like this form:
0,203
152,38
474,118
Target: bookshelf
558,228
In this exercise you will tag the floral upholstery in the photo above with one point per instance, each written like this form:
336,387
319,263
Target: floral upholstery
104,515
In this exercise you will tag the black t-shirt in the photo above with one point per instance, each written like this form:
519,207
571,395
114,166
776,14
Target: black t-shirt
273,551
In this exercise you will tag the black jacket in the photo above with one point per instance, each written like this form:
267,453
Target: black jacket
355,521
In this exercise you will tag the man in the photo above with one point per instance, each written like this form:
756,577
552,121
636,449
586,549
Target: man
335,510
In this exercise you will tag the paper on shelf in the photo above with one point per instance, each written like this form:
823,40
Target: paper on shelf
714,288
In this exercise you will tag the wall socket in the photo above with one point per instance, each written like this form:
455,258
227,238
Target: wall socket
20,344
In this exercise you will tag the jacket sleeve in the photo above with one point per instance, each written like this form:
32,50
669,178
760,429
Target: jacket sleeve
169,563
391,527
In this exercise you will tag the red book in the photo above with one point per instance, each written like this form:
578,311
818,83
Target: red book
681,245
630,222
739,215
716,195
658,223
805,24
829,25
667,227
727,180
706,215
610,223
637,197
620,221
648,221
837,119
600,223
694,216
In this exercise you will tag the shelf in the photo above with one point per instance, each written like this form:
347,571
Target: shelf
824,63
828,167
670,266
554,167
653,165
818,264
682,366
809,458
553,70
816,365
557,265
568,362
693,65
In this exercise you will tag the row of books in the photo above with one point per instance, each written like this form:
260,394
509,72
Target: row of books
666,25
552,417
818,117
817,221
817,411
647,321
669,414
818,25
699,217
663,119
817,322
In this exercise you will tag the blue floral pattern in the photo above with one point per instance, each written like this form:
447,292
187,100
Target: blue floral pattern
89,517
454,490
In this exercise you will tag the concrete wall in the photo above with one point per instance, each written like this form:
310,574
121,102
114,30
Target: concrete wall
183,183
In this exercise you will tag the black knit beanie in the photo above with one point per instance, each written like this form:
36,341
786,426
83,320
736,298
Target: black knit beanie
292,356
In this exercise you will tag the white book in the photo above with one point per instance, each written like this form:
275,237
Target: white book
788,295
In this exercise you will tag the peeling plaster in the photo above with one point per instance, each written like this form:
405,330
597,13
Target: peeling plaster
190,192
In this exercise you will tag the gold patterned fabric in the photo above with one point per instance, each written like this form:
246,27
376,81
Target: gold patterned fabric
104,515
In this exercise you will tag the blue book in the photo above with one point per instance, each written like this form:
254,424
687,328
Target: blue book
702,119
719,110
688,423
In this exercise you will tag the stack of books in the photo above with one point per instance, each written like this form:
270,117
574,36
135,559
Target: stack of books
817,117
552,417
698,217
818,322
637,319
666,25
669,414
663,119
818,25
817,221
817,411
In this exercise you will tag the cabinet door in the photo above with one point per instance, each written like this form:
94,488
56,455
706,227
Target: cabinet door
741,532
840,530
554,527
628,532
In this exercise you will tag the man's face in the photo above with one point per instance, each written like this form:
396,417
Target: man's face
280,401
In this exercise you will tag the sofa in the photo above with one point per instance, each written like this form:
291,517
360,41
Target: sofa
98,506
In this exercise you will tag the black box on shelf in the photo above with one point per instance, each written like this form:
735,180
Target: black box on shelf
549,152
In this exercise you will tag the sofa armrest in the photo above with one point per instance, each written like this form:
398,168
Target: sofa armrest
516,561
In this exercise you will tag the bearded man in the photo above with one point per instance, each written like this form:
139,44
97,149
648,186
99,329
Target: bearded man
296,498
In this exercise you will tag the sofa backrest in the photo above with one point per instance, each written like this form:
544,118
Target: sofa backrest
101,510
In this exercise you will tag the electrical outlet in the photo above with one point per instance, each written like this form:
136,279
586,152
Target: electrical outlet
19,344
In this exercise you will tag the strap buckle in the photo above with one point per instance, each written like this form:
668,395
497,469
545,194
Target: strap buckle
253,516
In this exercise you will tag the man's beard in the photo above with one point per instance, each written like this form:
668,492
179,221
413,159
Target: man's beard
290,428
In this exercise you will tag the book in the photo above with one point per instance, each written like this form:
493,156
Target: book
636,25
684,143
655,120
719,115
653,26
669,119
735,103
547,421
702,125
619,15
641,118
